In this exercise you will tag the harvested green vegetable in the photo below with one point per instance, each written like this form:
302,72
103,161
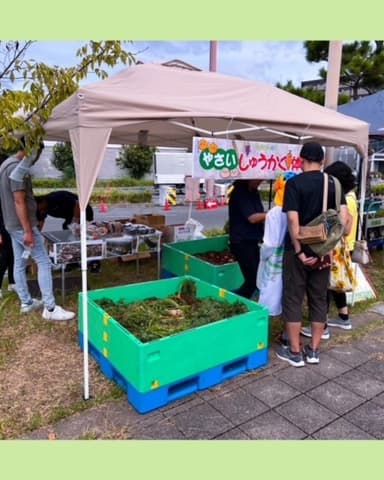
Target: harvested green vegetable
155,318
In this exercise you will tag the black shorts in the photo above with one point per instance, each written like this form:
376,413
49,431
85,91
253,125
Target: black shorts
300,281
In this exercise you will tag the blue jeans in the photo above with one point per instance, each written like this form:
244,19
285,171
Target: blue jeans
44,268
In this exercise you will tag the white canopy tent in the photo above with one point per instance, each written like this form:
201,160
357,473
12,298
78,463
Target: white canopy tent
163,106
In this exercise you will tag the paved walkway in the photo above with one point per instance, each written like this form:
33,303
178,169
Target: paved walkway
341,398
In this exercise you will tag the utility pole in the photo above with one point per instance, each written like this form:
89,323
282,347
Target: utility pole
213,56
332,85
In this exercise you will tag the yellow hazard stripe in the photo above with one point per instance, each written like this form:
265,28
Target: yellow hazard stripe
228,193
171,196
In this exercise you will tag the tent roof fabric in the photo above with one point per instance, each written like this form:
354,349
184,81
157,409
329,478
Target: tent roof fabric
156,99
370,109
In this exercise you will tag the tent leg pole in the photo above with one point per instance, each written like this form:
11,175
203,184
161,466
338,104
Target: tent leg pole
84,305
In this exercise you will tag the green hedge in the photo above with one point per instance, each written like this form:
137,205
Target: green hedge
109,195
59,183
378,189
53,183
120,196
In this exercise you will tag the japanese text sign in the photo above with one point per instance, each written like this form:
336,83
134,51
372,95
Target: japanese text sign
232,159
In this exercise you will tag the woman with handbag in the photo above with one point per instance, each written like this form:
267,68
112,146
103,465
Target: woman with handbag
344,174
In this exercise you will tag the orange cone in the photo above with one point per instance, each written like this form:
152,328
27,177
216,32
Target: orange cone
103,206
200,205
167,206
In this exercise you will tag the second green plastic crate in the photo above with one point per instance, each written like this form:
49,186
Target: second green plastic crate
180,259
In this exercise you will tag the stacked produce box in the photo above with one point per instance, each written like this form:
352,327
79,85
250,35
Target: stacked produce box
158,371
208,259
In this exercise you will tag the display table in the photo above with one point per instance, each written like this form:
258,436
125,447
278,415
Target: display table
65,248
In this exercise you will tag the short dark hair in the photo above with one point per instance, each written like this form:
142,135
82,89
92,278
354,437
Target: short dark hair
343,173
312,151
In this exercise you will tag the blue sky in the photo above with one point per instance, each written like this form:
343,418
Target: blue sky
266,61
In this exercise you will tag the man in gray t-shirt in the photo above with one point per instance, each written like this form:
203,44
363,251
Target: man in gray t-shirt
19,213
10,187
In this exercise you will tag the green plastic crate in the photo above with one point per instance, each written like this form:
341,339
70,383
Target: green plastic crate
151,365
178,258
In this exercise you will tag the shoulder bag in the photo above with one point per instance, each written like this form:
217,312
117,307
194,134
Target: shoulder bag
324,231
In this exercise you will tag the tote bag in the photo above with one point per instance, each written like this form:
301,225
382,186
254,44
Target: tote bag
342,276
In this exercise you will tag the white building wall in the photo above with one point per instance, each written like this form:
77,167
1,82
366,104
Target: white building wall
109,169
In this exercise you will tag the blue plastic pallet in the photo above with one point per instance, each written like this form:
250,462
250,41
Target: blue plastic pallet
166,274
146,402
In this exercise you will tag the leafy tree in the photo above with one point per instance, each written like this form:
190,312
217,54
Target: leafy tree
62,159
29,90
362,64
137,159
312,94
316,51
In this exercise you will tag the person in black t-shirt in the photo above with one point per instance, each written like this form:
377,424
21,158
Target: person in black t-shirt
246,229
60,204
303,202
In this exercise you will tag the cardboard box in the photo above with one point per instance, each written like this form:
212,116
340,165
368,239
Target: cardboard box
135,256
150,219
177,233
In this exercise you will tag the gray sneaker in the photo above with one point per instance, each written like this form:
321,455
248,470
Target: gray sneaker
31,307
284,341
307,332
339,323
311,356
294,359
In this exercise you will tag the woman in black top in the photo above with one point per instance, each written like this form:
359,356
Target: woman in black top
246,229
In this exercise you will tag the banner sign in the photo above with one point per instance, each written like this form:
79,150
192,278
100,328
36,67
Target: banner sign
231,159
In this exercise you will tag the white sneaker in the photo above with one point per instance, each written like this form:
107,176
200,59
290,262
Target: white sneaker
58,314
11,287
31,307
1,294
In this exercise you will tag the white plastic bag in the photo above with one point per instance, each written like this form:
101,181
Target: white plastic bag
270,272
198,228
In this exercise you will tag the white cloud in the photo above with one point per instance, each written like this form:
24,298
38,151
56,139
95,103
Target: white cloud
269,62
266,61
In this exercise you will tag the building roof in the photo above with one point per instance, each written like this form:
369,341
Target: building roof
177,63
